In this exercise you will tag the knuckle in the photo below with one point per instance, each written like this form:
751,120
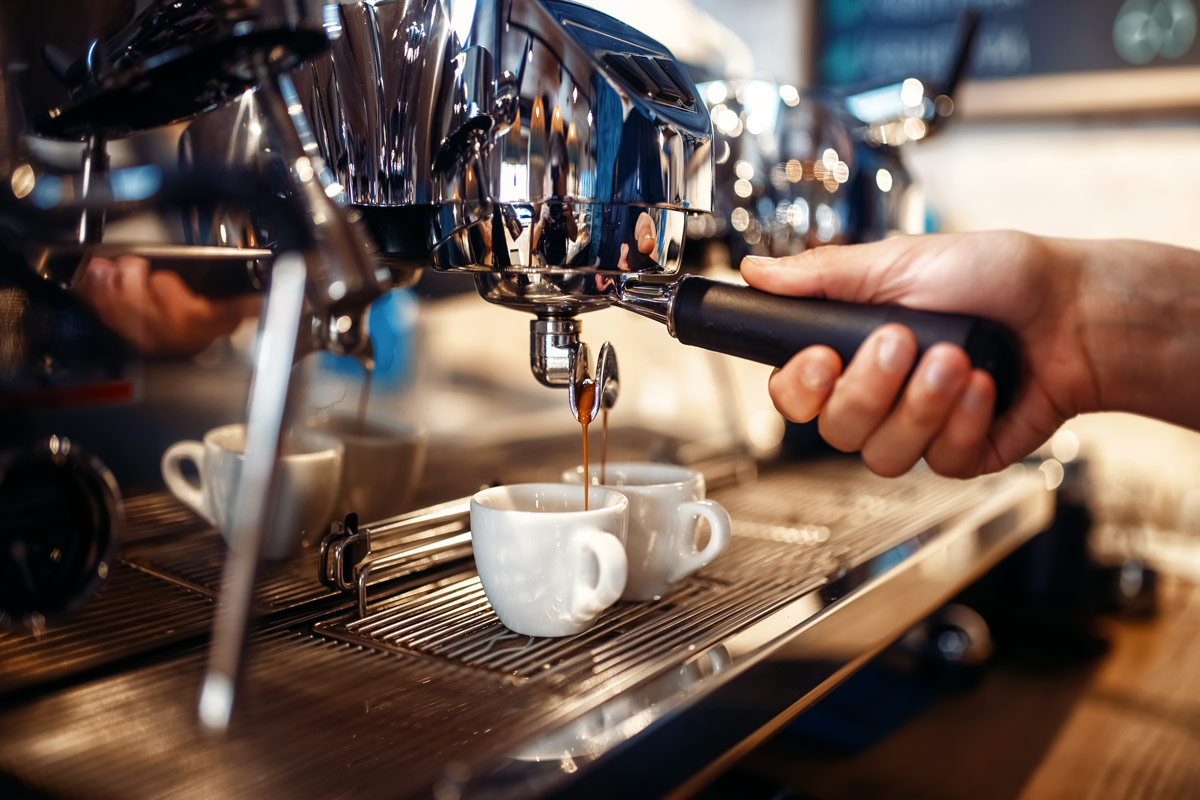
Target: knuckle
837,436
887,466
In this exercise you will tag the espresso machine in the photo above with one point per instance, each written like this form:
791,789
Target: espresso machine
555,155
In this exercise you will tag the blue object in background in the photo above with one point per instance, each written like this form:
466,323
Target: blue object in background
391,322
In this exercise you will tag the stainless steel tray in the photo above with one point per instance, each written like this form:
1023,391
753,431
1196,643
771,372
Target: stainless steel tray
429,694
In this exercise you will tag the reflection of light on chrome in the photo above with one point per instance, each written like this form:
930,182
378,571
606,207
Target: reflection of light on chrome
795,170
337,290
829,158
462,14
589,119
883,179
752,235
716,92
831,184
333,189
912,92
943,105
723,152
789,95
841,172
739,219
914,128
744,170
755,123
783,213
765,430
728,122
304,169
23,180
344,323
715,112
1053,471
1064,445
223,233
513,177
825,222
574,94
743,187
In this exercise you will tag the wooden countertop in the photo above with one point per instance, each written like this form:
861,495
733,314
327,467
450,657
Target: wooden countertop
1125,725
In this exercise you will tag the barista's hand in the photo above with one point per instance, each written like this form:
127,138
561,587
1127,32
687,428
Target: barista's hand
944,415
646,236
155,311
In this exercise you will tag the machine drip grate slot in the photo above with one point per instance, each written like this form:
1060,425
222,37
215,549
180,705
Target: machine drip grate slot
133,613
451,620
196,559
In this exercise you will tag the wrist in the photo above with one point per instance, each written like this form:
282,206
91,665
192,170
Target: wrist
1138,322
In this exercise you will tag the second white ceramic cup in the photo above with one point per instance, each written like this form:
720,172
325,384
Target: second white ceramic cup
309,469
548,567
666,503
381,466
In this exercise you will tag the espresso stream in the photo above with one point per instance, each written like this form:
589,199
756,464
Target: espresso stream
604,447
583,408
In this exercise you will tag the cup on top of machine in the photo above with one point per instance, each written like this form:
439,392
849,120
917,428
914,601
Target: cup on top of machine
666,503
548,567
309,468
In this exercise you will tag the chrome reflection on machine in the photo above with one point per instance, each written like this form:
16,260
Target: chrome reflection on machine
551,150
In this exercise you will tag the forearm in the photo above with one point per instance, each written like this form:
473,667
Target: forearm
1139,324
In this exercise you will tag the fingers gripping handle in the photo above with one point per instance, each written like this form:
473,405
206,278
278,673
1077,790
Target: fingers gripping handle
588,601
720,528
180,486
770,329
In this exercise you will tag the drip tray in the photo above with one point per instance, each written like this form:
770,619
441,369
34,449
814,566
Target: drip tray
432,695
452,621
133,614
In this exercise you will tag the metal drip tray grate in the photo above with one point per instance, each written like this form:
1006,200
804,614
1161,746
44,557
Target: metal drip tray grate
153,516
843,511
173,543
198,561
431,694
793,529
133,614
452,620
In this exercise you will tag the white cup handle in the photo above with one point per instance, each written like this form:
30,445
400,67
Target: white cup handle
720,529
191,494
588,601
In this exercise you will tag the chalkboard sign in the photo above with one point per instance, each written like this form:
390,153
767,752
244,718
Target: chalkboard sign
863,42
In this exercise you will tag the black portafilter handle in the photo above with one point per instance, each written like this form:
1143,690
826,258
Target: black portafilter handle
770,329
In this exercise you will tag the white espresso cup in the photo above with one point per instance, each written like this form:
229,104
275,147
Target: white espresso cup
548,567
309,467
381,465
666,503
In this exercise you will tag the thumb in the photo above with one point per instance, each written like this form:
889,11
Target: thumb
839,272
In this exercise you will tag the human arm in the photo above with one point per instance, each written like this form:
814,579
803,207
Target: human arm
1103,325
155,311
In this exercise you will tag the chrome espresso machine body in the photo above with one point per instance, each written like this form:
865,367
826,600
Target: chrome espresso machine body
554,154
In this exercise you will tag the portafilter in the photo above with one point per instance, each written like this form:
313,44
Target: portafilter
554,153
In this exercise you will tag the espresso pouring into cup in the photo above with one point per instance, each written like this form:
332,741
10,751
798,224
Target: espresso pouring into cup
666,504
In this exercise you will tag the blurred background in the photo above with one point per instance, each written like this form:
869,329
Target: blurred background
837,122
